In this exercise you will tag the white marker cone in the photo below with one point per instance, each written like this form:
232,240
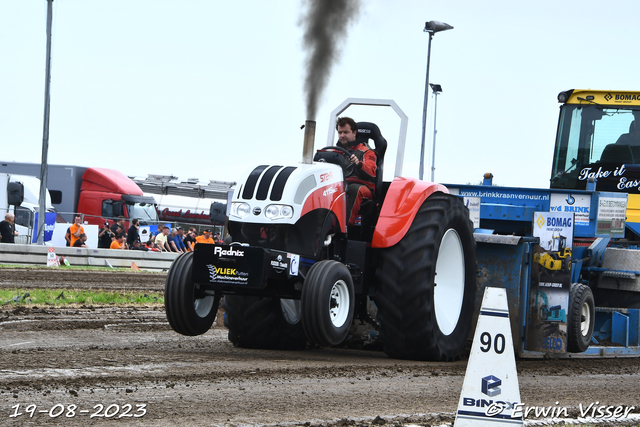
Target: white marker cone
490,392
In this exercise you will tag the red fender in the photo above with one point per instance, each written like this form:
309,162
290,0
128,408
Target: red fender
330,197
400,206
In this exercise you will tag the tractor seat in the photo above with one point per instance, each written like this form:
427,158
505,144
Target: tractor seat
370,209
370,131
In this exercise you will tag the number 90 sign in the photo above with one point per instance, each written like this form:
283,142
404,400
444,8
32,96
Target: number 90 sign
498,343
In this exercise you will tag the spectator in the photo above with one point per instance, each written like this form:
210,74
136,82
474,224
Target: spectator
171,239
153,235
190,239
137,246
179,239
80,242
133,235
118,243
75,230
118,228
161,240
119,223
205,238
67,237
105,237
6,229
216,238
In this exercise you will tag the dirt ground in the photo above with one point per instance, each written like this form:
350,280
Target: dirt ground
61,278
125,366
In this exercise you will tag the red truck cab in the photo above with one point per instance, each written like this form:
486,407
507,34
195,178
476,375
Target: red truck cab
106,194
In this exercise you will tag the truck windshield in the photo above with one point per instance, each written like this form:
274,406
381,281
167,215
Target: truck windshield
145,212
594,141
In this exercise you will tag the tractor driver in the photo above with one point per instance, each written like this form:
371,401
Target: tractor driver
361,183
633,137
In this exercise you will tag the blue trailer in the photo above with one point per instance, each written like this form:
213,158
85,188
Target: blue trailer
506,248
595,177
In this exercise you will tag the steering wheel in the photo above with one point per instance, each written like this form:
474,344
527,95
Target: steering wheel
347,166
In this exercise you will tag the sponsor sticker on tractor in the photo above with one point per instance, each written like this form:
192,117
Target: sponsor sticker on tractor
226,275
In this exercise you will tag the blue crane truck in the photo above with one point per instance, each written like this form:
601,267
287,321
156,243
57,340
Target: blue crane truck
594,182
415,264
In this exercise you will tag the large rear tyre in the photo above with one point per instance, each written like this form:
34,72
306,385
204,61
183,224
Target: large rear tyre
264,323
327,303
582,314
189,310
426,284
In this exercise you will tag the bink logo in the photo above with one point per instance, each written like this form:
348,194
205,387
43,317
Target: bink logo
491,386
571,200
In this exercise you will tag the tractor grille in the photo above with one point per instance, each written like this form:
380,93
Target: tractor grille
261,179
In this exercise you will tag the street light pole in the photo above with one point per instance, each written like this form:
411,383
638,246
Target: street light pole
437,89
430,27
424,109
42,208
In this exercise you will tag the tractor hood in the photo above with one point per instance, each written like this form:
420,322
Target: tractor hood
283,194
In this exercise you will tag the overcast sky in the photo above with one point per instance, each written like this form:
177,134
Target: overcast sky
206,88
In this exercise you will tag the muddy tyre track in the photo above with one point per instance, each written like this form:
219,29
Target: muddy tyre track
89,356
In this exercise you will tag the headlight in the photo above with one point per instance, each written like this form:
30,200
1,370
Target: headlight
240,210
272,211
287,211
278,212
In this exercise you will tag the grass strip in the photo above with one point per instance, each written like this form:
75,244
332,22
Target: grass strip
76,296
76,268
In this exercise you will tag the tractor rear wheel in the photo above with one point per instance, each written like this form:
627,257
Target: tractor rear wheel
426,284
264,323
327,303
581,318
189,310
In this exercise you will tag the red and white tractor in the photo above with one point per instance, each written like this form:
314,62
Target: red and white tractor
295,273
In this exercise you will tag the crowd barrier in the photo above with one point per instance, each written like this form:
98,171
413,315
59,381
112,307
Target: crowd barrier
120,258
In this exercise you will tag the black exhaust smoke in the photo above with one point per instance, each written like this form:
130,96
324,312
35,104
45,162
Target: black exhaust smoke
325,23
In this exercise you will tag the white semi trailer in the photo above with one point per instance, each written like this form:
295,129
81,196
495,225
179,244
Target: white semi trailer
19,195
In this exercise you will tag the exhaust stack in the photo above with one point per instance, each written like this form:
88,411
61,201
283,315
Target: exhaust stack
309,140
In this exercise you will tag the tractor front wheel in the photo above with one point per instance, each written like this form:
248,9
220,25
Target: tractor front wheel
426,284
189,310
327,303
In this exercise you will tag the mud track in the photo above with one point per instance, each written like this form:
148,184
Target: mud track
61,278
120,356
